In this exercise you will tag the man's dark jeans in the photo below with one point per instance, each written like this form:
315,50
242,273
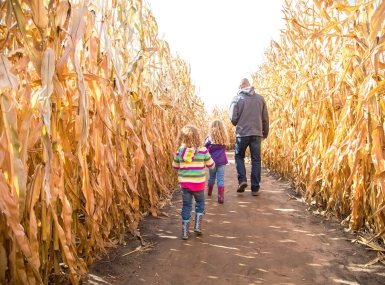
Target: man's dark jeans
254,143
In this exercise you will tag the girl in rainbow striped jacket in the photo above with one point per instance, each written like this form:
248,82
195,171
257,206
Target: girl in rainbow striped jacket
190,160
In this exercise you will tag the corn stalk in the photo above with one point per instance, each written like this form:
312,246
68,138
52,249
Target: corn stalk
91,101
324,86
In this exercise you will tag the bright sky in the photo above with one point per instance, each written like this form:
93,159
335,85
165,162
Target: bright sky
222,40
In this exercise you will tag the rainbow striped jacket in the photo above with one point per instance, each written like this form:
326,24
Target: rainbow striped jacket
191,163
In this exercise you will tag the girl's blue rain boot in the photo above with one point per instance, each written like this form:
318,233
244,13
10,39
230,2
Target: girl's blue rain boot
185,229
198,223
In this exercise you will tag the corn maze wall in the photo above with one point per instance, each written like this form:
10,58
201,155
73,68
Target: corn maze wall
324,85
91,101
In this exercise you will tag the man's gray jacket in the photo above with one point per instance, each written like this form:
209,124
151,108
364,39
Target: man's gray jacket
248,112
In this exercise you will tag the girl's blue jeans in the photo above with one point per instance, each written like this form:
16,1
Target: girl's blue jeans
219,173
187,196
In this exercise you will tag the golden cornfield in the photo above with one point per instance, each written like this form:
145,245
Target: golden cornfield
91,102
324,85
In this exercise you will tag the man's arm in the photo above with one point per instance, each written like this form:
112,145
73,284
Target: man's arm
265,121
233,111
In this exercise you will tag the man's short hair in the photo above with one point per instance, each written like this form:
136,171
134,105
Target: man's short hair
244,82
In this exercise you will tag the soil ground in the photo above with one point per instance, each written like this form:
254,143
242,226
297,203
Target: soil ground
265,239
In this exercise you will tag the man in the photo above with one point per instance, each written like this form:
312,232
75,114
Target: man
248,112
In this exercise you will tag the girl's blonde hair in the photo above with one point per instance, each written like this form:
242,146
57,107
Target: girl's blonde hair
189,136
218,133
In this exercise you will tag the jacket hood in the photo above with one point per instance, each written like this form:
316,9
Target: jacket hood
188,153
247,90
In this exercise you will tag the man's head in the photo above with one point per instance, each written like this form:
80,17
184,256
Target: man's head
244,83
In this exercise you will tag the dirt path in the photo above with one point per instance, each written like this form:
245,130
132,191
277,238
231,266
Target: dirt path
267,239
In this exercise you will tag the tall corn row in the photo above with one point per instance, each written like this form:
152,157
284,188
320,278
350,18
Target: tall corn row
91,101
324,86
